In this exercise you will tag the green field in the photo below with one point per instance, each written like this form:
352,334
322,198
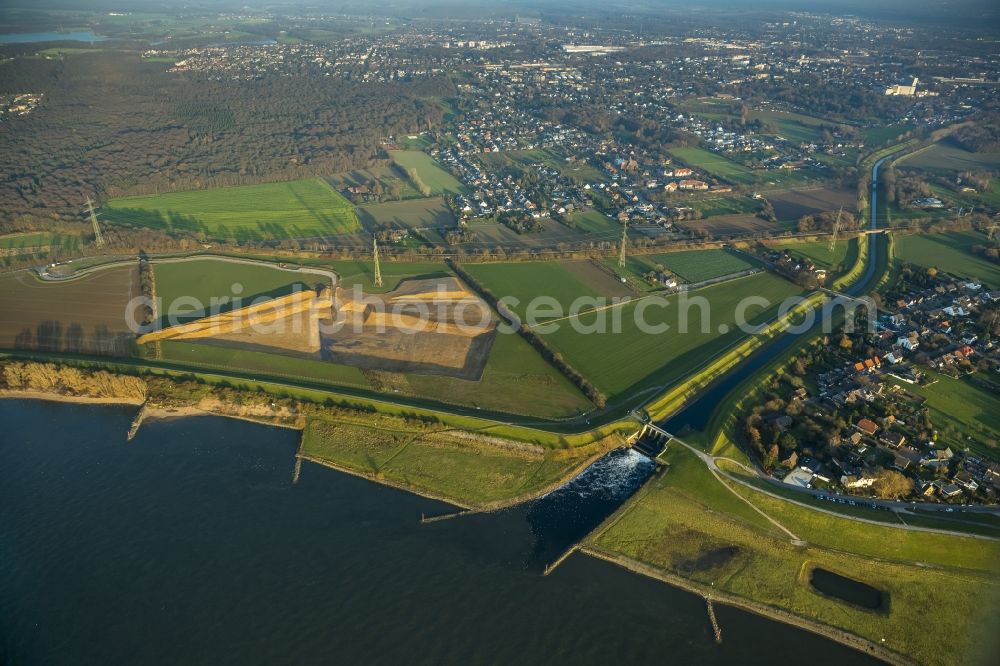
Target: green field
794,127
472,473
353,272
429,171
692,265
944,158
205,279
879,136
949,252
965,415
725,206
295,209
631,359
688,524
67,242
717,165
593,221
818,251
387,177
409,214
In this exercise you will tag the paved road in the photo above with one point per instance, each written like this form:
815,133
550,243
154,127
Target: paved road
891,505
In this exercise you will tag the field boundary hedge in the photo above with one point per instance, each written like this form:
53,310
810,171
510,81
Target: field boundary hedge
540,345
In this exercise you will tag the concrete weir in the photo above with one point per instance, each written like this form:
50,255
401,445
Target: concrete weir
651,441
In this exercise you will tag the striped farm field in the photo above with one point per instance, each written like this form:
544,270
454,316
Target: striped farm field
692,265
295,209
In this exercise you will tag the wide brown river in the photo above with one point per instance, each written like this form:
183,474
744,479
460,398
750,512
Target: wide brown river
190,545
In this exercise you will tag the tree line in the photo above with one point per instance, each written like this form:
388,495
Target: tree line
541,346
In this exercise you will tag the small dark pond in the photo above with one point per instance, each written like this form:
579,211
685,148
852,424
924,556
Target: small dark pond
849,590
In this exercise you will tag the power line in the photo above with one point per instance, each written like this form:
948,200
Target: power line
836,230
621,256
98,238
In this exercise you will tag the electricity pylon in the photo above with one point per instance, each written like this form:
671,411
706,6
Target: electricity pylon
836,230
621,253
98,238
378,271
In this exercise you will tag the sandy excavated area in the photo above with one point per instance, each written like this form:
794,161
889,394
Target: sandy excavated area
434,326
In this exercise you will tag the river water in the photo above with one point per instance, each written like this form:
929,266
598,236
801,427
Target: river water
190,545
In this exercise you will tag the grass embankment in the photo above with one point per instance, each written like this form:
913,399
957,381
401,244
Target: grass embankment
294,209
853,272
672,400
469,469
689,525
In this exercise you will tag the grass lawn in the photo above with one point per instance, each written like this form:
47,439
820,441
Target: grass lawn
263,364
473,473
354,272
944,158
818,251
388,177
558,280
879,136
965,415
430,172
950,252
624,358
517,380
725,206
408,214
692,265
67,242
688,524
593,221
295,209
793,127
717,165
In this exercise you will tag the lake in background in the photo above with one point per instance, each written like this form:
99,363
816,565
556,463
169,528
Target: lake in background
190,545
28,37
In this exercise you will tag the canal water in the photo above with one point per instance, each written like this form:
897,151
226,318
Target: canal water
190,545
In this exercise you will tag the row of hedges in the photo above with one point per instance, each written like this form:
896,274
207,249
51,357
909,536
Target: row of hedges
536,341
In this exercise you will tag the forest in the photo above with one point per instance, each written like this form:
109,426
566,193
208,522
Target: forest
111,124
